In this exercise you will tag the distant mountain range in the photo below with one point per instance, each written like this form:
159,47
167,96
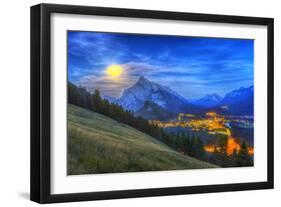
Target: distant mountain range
154,101
237,102
208,101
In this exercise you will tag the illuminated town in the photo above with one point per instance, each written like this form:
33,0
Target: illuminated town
212,123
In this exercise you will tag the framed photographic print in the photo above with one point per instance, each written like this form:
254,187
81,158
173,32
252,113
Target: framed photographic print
132,103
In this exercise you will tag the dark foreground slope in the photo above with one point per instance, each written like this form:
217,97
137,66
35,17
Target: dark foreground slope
99,144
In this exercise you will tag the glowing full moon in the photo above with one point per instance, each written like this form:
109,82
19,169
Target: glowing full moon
114,70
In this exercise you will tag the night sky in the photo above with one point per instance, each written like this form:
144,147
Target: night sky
191,66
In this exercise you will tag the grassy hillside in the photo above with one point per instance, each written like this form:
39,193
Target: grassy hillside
99,144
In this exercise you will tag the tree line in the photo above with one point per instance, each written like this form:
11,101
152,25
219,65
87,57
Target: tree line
81,97
240,158
193,146
181,142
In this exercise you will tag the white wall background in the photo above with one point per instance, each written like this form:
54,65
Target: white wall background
14,101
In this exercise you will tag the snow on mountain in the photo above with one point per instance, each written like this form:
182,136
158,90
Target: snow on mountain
238,94
239,101
208,101
152,111
161,98
134,97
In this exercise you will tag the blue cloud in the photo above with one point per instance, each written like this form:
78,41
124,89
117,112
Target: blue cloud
193,66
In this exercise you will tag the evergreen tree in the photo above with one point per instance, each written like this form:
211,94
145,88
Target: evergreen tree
222,148
200,152
243,157
232,159
192,146
96,101
215,158
187,144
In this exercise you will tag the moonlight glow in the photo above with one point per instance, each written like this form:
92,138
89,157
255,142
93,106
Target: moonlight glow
114,70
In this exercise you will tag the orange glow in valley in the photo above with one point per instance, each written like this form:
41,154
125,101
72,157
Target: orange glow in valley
231,146
212,123
209,148
250,150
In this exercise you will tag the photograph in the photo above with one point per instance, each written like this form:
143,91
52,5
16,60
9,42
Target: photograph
156,102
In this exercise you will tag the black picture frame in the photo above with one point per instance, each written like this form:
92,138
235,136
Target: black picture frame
41,99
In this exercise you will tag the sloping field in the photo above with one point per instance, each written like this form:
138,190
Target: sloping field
99,144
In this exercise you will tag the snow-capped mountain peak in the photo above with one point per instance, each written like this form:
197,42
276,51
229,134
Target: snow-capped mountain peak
143,80
134,97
